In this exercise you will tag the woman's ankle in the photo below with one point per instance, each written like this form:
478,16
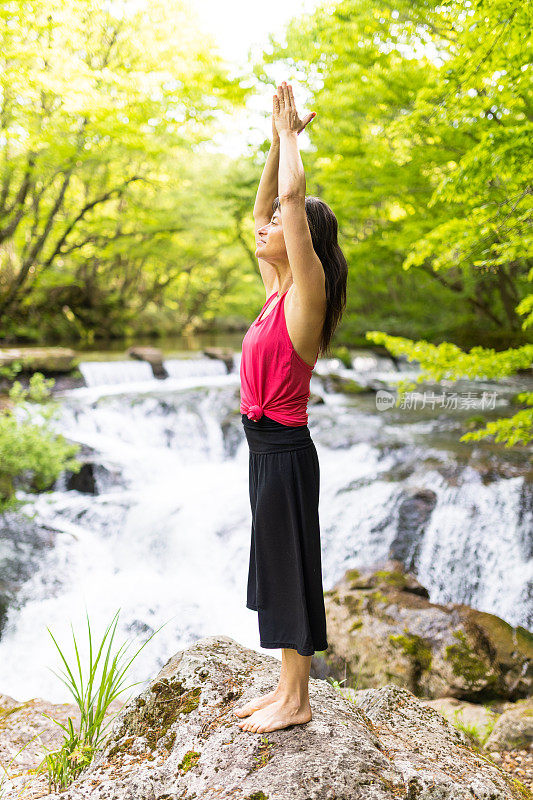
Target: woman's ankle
296,696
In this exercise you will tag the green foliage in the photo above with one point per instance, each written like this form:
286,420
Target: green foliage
111,203
515,430
343,354
337,684
32,455
264,752
422,146
93,697
477,734
447,361
469,729
425,161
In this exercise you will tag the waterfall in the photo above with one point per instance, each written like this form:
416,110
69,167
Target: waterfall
166,535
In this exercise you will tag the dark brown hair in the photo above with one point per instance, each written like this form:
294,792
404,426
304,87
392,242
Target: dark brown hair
323,228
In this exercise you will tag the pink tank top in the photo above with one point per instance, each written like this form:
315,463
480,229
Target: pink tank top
274,377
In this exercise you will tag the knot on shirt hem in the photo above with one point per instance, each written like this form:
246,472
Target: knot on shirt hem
254,413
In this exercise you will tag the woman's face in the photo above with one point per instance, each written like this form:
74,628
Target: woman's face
270,241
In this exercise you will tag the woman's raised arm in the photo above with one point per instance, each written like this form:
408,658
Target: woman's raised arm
267,191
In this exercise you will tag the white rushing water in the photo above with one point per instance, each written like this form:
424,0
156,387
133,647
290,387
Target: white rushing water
166,538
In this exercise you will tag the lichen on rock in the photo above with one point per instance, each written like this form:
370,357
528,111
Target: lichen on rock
386,745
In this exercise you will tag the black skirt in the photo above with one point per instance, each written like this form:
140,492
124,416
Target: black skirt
285,569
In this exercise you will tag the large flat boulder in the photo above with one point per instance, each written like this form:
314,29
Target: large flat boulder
179,739
40,359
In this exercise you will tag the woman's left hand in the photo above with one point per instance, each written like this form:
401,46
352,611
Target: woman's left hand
285,115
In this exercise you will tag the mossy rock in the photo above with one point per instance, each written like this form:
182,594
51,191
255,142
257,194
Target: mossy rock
392,578
352,575
485,627
338,383
153,718
375,597
414,647
40,359
353,603
465,662
524,640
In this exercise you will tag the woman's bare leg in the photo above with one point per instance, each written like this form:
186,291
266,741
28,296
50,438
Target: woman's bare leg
288,703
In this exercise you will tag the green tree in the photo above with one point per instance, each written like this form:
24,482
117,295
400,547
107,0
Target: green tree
102,111
422,147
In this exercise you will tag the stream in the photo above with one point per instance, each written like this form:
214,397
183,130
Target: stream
161,525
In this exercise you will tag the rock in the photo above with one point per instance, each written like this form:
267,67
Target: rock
222,354
338,383
179,738
315,400
478,719
414,513
23,543
82,481
153,355
513,729
64,383
40,359
383,629
93,478
19,722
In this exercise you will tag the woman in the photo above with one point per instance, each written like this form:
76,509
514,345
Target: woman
305,274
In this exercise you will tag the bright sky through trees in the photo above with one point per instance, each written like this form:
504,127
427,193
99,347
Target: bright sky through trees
241,26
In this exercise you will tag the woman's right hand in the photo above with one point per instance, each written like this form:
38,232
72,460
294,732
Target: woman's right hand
301,123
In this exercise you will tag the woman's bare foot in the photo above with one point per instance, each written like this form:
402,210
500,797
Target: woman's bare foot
256,703
278,714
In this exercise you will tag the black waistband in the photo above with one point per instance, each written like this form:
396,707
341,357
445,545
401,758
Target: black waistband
268,436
